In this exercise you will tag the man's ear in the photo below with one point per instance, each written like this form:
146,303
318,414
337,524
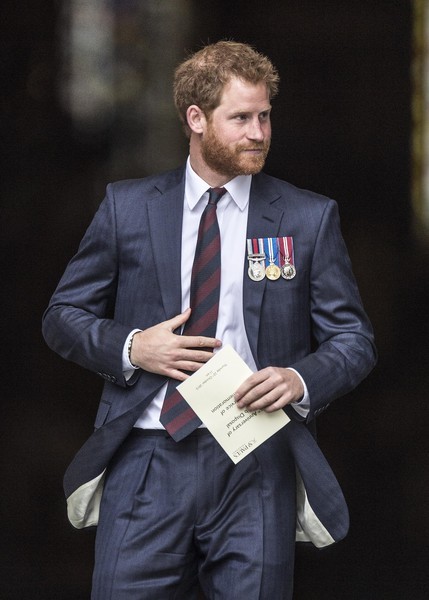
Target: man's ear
196,119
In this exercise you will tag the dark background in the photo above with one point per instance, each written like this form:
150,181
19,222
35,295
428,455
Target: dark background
342,127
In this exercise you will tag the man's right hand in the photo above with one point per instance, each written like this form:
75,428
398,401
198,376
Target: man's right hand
159,350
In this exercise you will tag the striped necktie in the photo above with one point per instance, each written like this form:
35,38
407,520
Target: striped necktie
177,416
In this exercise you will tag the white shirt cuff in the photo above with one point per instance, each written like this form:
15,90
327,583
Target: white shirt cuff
127,367
302,407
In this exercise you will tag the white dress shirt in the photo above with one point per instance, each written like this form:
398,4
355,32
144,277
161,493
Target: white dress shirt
232,211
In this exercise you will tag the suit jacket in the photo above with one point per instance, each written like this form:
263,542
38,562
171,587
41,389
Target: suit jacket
126,274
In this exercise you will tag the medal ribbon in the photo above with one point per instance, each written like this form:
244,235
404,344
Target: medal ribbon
255,246
256,258
285,244
269,251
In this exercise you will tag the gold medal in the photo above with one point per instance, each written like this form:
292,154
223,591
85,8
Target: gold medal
272,272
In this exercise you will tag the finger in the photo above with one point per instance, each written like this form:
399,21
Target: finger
261,389
178,375
183,370
262,399
192,365
178,320
256,399
248,386
281,403
199,341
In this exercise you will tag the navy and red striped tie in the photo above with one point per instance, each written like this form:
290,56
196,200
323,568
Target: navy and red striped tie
177,416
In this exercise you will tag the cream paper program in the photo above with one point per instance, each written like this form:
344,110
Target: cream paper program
210,393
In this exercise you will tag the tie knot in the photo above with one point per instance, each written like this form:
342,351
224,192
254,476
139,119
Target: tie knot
215,194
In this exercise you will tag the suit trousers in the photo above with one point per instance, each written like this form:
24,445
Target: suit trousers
176,518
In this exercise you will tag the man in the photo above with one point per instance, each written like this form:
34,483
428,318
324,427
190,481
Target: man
175,511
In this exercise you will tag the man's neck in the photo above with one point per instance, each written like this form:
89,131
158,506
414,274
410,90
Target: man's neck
212,178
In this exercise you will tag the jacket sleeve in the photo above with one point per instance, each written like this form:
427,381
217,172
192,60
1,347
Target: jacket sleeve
79,322
342,334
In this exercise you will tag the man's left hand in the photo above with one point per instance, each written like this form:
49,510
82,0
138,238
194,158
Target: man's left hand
269,389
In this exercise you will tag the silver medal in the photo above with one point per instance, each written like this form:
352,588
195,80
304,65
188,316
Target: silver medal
288,271
256,268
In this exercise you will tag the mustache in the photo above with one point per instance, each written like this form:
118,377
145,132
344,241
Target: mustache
255,146
263,147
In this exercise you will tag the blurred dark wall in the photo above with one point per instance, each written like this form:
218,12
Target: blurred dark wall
342,127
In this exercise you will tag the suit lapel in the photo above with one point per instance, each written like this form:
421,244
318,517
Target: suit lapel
165,214
264,221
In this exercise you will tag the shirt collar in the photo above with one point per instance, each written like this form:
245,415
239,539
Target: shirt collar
238,188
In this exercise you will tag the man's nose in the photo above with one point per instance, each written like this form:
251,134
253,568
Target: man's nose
255,131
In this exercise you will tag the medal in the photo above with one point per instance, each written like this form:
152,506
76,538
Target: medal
288,270
277,252
256,267
273,270
256,258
